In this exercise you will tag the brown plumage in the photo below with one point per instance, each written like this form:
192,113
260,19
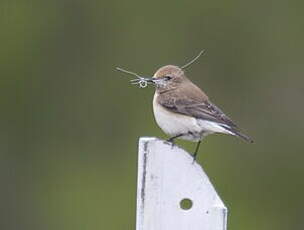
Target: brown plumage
177,94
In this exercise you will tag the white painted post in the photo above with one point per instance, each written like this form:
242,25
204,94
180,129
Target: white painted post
166,176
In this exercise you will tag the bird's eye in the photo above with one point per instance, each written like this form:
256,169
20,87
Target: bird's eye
168,78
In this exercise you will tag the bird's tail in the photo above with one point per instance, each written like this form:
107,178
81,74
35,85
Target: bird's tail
237,133
243,136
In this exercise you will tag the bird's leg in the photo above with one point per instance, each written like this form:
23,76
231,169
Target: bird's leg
171,139
196,151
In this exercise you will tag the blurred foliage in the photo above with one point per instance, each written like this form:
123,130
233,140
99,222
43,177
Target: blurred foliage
70,122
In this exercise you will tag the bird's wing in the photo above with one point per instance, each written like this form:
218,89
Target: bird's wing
192,106
192,101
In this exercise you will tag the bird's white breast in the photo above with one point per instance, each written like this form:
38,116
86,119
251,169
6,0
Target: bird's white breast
173,123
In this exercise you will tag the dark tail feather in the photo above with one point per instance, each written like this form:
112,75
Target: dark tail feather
239,134
243,136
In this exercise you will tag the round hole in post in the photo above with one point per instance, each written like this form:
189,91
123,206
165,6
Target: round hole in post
186,204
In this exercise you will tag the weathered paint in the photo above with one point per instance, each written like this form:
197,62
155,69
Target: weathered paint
167,175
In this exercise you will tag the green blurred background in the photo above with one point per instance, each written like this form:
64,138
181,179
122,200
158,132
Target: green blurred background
70,123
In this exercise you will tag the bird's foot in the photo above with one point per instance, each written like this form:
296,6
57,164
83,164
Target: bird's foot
194,155
171,139
171,142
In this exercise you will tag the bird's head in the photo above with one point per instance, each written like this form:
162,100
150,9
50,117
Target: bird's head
165,78
168,77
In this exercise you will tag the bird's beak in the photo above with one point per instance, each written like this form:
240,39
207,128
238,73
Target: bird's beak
149,79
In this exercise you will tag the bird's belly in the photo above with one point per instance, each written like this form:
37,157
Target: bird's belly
175,124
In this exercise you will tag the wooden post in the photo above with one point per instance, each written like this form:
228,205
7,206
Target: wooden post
173,193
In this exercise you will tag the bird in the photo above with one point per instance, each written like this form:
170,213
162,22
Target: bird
183,111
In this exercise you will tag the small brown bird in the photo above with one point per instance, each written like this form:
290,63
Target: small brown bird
182,110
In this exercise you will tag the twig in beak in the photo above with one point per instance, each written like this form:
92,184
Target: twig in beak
141,81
